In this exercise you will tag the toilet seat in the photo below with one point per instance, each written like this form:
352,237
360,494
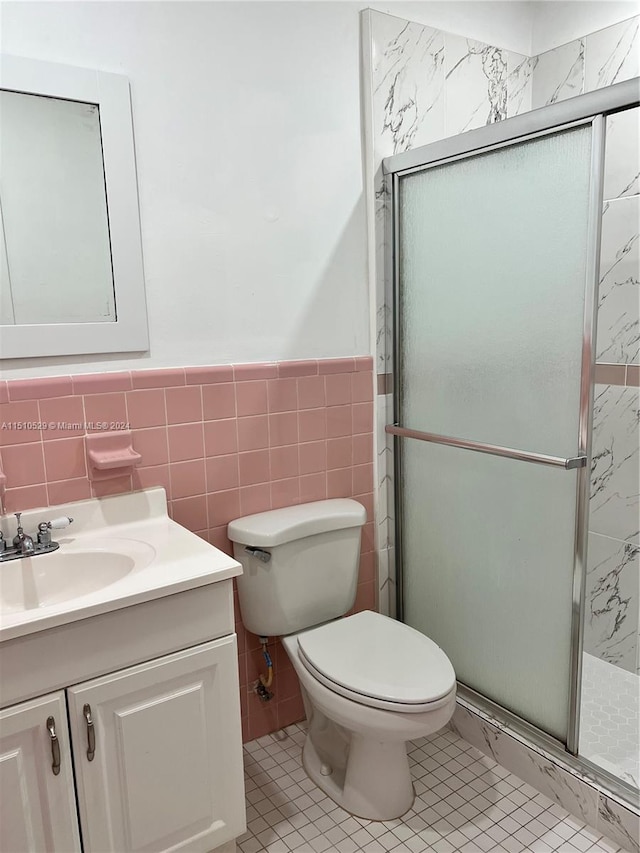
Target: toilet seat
377,661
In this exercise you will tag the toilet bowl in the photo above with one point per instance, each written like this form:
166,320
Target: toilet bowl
369,683
359,726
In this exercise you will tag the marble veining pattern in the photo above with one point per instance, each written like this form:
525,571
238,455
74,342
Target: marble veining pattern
570,791
618,823
385,473
611,601
408,74
409,92
613,55
622,155
519,83
609,733
614,505
392,586
385,516
475,84
384,509
574,790
618,338
559,74
483,84
383,337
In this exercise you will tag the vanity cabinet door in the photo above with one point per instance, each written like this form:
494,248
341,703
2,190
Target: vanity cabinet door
37,805
166,753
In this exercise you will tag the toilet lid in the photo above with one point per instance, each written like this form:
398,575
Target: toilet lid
374,656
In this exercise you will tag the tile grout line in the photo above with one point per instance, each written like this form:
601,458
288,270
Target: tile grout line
265,755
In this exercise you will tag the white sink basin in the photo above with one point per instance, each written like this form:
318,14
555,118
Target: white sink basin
67,574
120,551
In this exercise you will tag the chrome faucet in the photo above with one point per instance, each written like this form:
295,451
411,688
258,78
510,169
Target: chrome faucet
23,544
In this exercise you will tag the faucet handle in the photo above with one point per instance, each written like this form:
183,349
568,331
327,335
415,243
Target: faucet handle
44,537
56,523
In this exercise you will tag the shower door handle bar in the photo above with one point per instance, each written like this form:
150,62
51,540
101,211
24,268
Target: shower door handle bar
491,449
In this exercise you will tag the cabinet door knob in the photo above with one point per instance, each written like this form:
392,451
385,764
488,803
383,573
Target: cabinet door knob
55,745
91,733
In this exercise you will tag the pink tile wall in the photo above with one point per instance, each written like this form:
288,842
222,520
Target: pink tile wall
223,441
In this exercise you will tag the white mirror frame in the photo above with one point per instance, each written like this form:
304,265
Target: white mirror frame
110,92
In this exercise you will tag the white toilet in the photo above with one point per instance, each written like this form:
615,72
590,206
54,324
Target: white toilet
369,683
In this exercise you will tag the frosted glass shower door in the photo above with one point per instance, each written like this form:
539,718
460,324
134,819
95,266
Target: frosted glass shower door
493,252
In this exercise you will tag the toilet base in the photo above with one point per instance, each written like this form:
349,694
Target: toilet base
356,754
366,778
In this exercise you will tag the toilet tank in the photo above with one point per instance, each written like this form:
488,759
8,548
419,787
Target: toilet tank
308,573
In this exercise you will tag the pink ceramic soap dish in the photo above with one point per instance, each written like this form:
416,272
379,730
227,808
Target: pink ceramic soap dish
110,454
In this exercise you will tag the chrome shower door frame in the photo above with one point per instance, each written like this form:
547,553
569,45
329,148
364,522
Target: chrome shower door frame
591,109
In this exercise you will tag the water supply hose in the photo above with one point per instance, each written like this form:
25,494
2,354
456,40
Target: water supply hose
267,680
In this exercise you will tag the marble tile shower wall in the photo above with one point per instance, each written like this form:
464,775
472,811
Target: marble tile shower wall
425,84
613,570
224,441
421,84
613,574
612,626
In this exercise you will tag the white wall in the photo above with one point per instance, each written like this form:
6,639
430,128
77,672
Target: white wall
247,126
557,22
247,118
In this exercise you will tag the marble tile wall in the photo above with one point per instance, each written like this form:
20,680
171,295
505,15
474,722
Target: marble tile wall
592,62
612,615
613,572
424,84
618,338
421,85
613,569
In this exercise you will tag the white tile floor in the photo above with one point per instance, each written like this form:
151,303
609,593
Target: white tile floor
464,802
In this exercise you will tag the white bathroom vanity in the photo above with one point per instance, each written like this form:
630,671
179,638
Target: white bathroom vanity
120,718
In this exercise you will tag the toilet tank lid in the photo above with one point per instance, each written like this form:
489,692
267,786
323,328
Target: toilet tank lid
268,529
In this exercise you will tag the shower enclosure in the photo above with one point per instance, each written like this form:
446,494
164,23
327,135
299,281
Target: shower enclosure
493,268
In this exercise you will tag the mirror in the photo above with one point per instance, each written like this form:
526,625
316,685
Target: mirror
55,258
71,278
